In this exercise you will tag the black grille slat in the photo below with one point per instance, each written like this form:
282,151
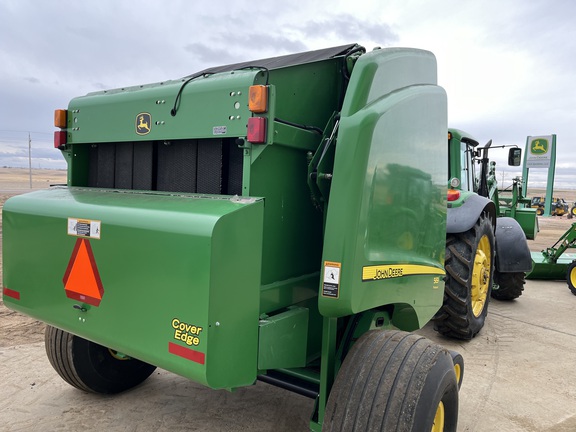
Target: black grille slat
208,166
106,166
93,165
234,158
143,170
209,173
123,166
176,166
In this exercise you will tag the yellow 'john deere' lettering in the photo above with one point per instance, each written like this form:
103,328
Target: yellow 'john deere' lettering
378,272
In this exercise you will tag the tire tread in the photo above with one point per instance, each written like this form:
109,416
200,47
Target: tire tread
455,318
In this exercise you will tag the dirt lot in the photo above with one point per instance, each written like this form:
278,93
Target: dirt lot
518,369
16,329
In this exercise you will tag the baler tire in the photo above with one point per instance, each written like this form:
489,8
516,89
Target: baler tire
469,264
393,380
571,277
91,367
508,286
458,361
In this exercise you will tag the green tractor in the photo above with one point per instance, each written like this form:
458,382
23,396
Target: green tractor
486,250
245,223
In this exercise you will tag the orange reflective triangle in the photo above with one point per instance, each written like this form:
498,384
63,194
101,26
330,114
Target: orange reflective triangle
82,280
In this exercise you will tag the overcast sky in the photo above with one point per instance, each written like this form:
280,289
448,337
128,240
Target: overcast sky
508,66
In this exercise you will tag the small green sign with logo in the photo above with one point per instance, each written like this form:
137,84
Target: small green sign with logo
538,151
539,146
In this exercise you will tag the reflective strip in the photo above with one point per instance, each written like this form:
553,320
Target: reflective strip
11,293
187,353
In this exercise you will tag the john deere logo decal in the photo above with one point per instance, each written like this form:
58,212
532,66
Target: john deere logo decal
143,123
539,147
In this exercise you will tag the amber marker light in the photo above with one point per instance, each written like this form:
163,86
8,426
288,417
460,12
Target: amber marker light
258,99
60,117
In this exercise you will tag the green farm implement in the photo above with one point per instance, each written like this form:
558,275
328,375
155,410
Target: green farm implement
280,220
554,263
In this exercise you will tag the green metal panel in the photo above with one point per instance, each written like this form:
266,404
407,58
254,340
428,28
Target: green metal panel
308,94
545,268
292,226
283,339
180,275
213,106
526,217
385,228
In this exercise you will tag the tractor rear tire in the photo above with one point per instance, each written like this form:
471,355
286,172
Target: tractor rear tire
469,264
571,277
394,381
508,286
540,211
91,367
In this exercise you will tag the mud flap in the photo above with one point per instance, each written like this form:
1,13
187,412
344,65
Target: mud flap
512,252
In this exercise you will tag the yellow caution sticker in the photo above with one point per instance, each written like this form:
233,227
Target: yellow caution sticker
391,271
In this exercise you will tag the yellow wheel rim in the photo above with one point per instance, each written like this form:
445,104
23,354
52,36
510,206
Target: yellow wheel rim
573,277
438,425
117,355
458,372
481,276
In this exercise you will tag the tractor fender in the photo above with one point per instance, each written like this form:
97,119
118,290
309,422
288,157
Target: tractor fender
512,252
462,218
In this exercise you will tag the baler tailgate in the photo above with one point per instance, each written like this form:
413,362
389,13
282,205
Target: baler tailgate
172,280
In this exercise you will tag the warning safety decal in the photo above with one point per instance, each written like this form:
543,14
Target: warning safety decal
378,272
331,285
82,280
84,228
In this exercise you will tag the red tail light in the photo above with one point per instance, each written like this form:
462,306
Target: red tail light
256,130
59,139
453,194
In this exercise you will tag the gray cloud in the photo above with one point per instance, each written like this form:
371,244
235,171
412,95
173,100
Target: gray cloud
346,27
205,53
